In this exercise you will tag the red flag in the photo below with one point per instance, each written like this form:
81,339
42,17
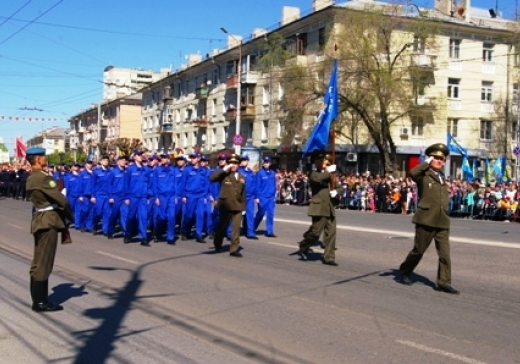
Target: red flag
20,149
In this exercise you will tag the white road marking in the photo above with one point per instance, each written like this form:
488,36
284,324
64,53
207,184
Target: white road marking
16,226
457,239
464,359
116,257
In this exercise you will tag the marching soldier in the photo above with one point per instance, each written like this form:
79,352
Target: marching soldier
51,213
250,181
432,220
266,192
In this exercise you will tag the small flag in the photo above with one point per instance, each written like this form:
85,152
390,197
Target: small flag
20,149
455,147
467,172
497,169
476,176
319,137
487,171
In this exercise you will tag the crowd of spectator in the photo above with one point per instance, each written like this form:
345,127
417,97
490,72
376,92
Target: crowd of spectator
475,200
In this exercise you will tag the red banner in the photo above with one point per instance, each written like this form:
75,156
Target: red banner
20,149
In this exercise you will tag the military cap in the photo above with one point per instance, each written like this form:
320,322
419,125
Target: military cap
35,151
267,159
154,157
245,157
122,157
233,158
437,149
222,157
138,152
180,156
194,155
204,159
104,157
165,156
321,155
50,165
89,161
76,164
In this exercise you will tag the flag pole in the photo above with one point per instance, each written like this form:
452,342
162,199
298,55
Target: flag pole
332,133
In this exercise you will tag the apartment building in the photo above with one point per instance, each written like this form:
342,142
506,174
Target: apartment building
119,82
470,84
53,140
98,129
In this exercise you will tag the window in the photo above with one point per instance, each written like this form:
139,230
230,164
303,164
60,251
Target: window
226,134
453,125
419,86
487,91
514,129
280,91
417,126
230,68
297,44
321,38
515,93
487,52
453,88
265,129
212,136
454,48
516,55
419,44
486,127
214,108
265,95
215,77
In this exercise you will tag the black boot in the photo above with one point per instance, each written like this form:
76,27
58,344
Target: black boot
39,293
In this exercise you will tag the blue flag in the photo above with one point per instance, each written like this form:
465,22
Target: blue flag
467,172
487,172
497,169
455,147
319,137
505,171
475,170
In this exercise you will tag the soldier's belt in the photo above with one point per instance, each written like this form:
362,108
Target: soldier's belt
48,208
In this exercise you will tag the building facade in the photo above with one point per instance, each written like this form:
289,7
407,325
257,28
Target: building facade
119,82
53,140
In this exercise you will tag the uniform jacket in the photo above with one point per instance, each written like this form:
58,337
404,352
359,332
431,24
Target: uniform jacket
86,183
163,182
250,178
73,185
116,182
432,209
320,186
265,183
232,191
44,193
195,182
100,182
137,181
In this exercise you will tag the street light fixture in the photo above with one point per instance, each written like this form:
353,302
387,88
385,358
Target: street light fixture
239,87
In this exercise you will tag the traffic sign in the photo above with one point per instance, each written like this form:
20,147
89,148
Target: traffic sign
238,139
516,151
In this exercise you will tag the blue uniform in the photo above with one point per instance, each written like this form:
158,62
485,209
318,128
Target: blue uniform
136,185
251,196
117,193
86,206
163,186
151,199
266,192
195,190
178,188
101,190
73,186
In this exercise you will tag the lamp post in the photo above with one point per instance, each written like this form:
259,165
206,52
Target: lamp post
239,87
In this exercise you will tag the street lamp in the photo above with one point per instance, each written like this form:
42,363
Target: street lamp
239,86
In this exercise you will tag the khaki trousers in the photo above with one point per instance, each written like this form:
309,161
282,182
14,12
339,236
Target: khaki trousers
45,244
236,219
320,224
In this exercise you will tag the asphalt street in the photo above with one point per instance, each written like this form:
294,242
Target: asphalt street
185,304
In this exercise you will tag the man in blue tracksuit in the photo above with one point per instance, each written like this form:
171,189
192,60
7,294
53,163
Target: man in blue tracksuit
194,196
73,186
214,194
100,191
266,192
86,199
137,178
152,163
208,207
251,196
116,197
178,170
163,187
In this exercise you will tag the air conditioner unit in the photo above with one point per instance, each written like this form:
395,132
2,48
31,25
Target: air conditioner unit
404,131
351,157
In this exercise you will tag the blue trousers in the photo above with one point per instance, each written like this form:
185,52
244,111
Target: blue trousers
266,206
75,207
137,216
118,211
86,213
195,208
249,219
101,210
164,216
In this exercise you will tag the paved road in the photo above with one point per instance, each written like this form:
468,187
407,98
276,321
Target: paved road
184,304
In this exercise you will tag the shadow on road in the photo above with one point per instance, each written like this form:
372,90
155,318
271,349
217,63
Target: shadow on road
65,291
416,278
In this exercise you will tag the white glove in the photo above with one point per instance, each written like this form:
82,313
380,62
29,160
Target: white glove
243,213
331,168
333,193
227,167
429,159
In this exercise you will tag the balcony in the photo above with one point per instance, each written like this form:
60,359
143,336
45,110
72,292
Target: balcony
231,114
425,61
202,121
82,129
202,93
249,77
247,112
167,128
424,103
232,82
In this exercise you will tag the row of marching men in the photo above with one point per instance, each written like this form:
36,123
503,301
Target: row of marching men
168,199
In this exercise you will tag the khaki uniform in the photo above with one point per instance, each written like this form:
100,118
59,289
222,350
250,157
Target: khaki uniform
45,225
231,203
431,221
323,216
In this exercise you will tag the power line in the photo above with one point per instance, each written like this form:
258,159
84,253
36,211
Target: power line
30,22
16,12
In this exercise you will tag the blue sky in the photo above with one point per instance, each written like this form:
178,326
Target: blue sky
53,52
